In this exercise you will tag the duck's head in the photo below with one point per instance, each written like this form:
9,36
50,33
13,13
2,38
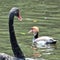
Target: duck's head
34,30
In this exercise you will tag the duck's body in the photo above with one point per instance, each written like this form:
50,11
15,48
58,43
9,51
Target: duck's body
42,41
44,38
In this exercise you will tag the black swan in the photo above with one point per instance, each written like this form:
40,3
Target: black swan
43,41
18,54
15,47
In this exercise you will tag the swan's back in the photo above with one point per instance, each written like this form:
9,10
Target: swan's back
4,56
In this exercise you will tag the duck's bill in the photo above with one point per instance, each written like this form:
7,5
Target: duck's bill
30,31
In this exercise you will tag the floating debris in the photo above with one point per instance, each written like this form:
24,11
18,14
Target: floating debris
49,50
46,18
34,59
34,20
37,54
22,33
46,53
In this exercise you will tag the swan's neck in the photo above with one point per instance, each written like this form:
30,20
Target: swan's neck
36,35
15,47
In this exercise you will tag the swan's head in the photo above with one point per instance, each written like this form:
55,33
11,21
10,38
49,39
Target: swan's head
15,11
34,30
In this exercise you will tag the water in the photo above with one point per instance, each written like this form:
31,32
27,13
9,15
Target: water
35,59
43,52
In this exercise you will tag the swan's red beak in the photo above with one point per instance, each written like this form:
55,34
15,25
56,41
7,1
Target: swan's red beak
19,18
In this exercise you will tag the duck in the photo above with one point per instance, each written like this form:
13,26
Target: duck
42,41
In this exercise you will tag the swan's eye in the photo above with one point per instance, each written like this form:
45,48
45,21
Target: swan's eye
16,13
